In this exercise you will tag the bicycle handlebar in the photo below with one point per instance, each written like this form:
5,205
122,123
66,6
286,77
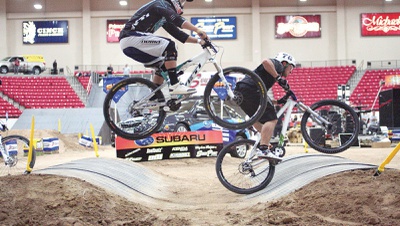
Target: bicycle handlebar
209,44
288,94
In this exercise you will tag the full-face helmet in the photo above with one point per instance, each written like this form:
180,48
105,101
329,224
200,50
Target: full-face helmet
282,56
178,5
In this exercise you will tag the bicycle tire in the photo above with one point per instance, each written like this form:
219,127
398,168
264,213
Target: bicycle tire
233,116
18,155
235,173
329,139
132,122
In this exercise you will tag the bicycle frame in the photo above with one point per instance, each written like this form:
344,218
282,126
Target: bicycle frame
198,62
288,108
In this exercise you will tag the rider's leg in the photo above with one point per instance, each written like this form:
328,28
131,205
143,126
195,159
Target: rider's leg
171,55
267,130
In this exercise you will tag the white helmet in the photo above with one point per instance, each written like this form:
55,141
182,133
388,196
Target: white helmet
178,5
282,56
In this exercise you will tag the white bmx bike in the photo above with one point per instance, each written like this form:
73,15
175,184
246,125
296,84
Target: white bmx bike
130,113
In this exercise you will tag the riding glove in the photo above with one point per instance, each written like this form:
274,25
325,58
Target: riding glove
283,83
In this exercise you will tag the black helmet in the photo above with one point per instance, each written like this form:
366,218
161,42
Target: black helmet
178,5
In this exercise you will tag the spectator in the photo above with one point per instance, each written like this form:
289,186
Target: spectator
55,67
295,121
16,65
127,70
110,70
373,125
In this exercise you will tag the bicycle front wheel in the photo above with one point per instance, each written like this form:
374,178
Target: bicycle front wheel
338,135
241,174
225,110
128,116
17,147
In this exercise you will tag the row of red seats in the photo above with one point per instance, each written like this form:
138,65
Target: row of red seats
48,92
367,89
315,84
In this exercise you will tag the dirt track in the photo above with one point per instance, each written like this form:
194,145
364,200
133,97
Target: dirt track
197,197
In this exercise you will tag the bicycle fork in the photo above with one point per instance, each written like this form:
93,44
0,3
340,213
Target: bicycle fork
224,81
318,118
4,153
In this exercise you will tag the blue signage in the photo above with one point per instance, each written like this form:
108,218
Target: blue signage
109,82
216,27
34,32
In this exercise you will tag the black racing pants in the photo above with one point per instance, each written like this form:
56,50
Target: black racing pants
251,101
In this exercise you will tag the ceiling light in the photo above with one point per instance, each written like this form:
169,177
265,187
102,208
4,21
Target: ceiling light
208,0
123,3
303,0
37,6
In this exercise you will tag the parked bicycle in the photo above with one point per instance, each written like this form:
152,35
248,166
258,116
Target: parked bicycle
328,126
14,154
130,113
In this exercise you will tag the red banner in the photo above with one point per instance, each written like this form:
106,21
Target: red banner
380,24
302,26
114,27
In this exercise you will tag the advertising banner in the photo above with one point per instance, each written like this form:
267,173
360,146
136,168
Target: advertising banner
114,27
392,80
302,26
36,32
216,27
380,24
171,145
109,82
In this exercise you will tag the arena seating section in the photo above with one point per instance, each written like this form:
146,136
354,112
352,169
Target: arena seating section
37,92
367,89
311,84
84,80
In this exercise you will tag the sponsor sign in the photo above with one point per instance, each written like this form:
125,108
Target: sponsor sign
392,80
170,145
216,27
380,24
34,32
114,27
109,82
302,26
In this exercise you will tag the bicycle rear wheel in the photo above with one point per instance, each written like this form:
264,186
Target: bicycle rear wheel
239,174
126,115
17,147
226,111
341,132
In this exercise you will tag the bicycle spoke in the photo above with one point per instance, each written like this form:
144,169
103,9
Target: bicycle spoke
340,131
240,173
18,152
226,110
128,114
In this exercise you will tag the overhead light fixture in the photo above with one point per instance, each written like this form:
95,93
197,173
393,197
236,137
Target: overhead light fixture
38,6
123,3
303,0
208,0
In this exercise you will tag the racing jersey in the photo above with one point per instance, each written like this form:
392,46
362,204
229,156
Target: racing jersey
150,17
268,79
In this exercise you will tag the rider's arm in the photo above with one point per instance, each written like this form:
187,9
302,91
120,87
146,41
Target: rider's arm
189,26
270,68
182,36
